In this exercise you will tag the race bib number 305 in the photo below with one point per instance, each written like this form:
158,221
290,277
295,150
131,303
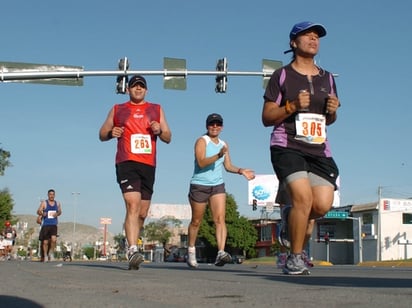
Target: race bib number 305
141,144
310,128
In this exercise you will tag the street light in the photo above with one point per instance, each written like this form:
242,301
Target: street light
74,194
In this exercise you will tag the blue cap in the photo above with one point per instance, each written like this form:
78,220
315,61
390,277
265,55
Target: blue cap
306,25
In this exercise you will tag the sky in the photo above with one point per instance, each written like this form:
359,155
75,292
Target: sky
52,131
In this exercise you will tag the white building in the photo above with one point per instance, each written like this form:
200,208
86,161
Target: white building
386,229
385,233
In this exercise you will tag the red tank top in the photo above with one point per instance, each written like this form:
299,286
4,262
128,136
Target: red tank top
138,143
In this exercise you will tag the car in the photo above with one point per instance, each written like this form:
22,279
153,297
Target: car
177,255
238,259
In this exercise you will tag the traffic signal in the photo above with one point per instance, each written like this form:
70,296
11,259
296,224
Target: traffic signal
326,238
121,81
221,80
254,204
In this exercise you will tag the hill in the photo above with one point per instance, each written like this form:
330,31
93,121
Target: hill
84,234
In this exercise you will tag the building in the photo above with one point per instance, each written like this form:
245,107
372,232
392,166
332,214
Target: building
377,231
386,229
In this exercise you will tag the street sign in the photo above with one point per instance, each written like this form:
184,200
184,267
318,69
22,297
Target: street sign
336,214
105,221
268,67
174,82
66,75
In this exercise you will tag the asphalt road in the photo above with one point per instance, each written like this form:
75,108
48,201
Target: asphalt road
110,284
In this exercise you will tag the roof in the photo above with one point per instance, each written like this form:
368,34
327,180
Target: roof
364,207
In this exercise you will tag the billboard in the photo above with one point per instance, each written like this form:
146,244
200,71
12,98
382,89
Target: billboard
263,188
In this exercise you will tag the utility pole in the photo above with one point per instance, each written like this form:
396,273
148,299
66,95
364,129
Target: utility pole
74,194
379,247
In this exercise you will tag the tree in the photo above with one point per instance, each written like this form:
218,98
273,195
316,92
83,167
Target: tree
4,161
6,200
6,206
158,231
89,251
242,235
120,241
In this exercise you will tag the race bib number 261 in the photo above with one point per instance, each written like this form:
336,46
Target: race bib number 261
141,144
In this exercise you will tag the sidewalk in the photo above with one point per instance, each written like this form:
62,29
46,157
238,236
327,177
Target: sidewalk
394,263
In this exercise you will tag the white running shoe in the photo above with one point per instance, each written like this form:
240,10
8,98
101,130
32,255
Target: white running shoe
306,259
295,265
223,258
135,259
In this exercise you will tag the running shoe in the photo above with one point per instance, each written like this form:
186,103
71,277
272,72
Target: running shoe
306,259
135,258
191,257
223,258
283,234
281,260
295,265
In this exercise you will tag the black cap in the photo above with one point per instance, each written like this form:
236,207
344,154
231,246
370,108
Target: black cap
137,79
214,118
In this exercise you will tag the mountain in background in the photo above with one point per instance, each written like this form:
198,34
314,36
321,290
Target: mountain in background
83,235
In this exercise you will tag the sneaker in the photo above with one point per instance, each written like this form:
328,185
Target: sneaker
135,258
191,257
295,265
223,258
306,259
281,260
51,258
283,234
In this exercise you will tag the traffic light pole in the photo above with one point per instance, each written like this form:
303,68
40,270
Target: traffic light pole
16,76
360,244
174,73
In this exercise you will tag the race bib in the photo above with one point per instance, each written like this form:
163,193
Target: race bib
310,128
51,214
141,144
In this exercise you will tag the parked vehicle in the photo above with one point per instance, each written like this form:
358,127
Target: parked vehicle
238,259
177,255
67,256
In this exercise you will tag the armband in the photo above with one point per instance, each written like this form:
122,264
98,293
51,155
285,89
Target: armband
239,171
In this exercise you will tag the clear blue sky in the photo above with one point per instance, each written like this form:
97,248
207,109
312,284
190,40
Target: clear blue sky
52,131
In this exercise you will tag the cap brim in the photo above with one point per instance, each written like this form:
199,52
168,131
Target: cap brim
137,82
319,29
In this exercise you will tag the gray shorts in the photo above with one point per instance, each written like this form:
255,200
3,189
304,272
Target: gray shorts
291,164
202,193
282,196
314,179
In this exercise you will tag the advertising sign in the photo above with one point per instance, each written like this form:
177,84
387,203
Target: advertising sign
263,188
